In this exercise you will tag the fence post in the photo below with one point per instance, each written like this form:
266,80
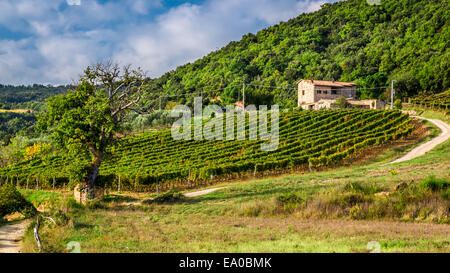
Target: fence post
28,179
37,183
118,186
53,182
189,178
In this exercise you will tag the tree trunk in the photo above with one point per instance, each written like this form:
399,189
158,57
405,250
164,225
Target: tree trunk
93,173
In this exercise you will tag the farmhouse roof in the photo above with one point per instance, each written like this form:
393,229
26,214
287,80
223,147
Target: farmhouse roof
328,83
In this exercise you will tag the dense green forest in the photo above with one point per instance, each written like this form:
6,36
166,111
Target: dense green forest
11,123
28,97
404,40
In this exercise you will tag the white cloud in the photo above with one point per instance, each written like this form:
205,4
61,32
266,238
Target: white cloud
190,31
74,2
63,42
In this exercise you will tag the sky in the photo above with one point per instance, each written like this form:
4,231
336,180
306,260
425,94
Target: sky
52,41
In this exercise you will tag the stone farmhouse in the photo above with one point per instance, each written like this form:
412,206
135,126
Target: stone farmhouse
315,95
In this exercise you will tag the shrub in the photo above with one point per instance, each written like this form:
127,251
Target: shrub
349,199
289,201
170,196
434,184
358,187
12,201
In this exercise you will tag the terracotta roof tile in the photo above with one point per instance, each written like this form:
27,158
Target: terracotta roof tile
329,83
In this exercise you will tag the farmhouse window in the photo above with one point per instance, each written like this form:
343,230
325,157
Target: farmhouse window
333,92
319,92
303,92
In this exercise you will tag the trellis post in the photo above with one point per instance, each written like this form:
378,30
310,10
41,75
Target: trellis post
189,178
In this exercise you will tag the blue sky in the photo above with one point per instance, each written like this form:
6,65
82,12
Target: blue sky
51,41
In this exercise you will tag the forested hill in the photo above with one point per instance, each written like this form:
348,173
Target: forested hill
28,97
405,40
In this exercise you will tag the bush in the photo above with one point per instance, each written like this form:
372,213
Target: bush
434,184
358,187
348,199
170,196
289,201
398,104
12,201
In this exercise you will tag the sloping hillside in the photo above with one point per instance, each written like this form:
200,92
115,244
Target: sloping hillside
405,40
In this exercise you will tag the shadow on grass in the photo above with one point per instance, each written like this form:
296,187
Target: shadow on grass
80,225
115,198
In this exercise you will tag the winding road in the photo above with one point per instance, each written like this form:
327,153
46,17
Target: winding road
203,192
429,145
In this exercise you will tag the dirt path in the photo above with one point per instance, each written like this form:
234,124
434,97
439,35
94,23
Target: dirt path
11,235
198,193
429,145
189,194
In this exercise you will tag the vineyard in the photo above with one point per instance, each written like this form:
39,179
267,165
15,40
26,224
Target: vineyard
440,101
307,138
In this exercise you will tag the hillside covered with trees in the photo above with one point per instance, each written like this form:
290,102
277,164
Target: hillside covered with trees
405,40
28,97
